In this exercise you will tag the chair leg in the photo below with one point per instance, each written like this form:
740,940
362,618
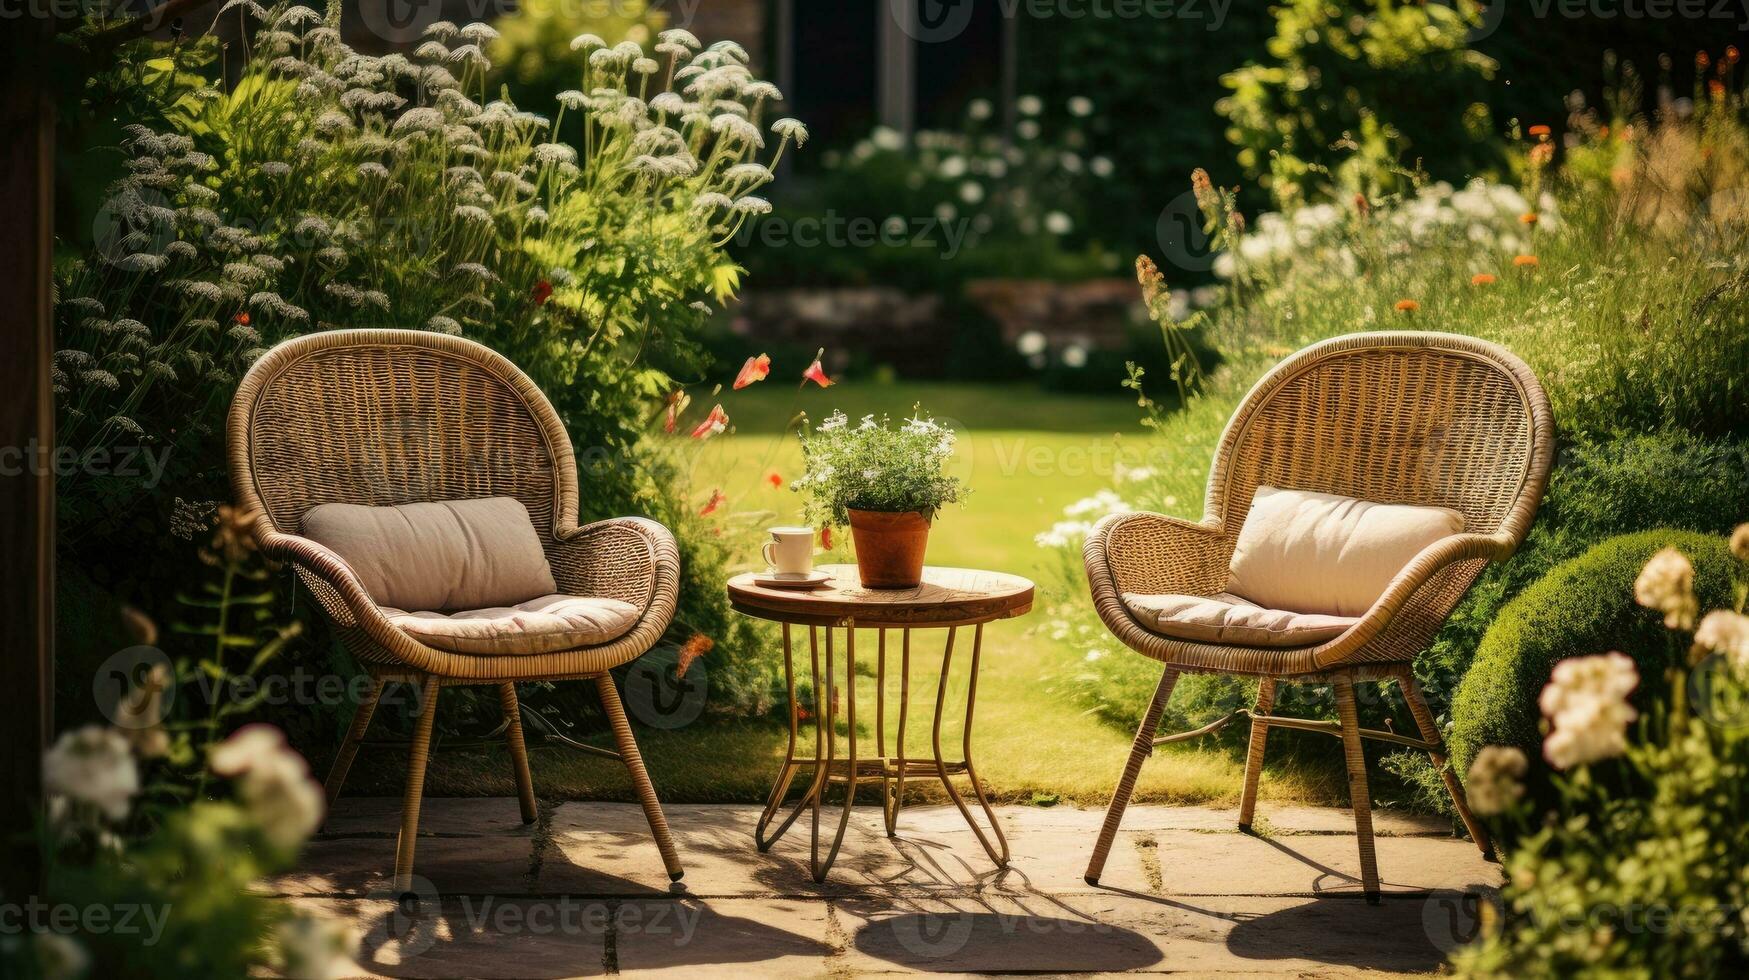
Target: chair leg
354,738
518,751
417,756
1126,784
628,753
1430,733
1359,797
1254,757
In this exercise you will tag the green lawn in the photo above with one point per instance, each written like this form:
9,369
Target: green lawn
1026,455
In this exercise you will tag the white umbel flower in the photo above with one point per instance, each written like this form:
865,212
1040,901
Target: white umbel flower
1495,780
273,782
1667,585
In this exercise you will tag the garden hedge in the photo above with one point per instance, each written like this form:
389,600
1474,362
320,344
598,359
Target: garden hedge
1582,606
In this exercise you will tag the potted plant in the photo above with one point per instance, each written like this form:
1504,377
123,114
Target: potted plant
886,482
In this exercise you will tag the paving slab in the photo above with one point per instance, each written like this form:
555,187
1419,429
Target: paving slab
583,892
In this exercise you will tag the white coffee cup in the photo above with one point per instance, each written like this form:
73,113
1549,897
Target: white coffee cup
790,550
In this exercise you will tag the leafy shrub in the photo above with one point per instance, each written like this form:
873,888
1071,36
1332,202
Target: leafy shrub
1638,869
1348,90
330,189
942,207
1669,479
1583,606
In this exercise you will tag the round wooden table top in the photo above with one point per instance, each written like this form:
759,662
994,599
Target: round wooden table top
947,597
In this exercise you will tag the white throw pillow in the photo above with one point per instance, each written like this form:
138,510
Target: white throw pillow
443,555
1322,553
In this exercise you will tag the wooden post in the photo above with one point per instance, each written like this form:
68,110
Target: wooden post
27,489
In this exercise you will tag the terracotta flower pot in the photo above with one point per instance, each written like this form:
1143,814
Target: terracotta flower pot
889,547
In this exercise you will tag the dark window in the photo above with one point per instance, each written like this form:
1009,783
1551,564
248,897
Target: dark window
953,72
837,51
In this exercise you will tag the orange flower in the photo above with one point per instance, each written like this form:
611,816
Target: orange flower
1529,219
1361,205
1407,306
1525,261
1702,60
1716,89
711,505
677,403
541,292
1732,55
1541,154
242,318
816,374
773,479
755,369
826,537
691,650
1483,279
715,422
1540,132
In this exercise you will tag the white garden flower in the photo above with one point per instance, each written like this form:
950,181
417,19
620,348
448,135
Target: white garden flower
1495,782
684,38
837,420
791,129
93,766
1725,632
314,948
587,42
478,33
273,782
442,30
1027,129
422,119
887,138
1030,343
60,957
1029,105
1080,106
443,324
1586,703
645,66
1075,356
971,192
979,109
1667,585
1058,223
668,103
1740,542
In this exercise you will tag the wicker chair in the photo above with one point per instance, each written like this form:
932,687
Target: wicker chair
381,417
1416,418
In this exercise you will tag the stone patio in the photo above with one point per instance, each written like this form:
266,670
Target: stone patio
582,893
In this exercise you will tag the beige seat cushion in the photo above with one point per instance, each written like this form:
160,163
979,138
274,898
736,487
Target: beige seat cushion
448,554
1321,553
1229,619
545,625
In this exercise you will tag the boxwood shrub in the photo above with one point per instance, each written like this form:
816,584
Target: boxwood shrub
1582,606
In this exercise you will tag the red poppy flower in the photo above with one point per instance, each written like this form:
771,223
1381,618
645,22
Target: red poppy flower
541,292
773,479
677,403
717,498
755,369
817,375
242,318
715,422
1540,132
826,537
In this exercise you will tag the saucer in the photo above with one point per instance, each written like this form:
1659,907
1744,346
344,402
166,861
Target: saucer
791,580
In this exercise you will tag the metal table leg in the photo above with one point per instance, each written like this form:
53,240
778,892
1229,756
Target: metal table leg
1001,858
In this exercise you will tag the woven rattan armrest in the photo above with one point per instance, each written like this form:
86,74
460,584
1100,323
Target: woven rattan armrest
342,595
632,559
1156,554
1415,584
